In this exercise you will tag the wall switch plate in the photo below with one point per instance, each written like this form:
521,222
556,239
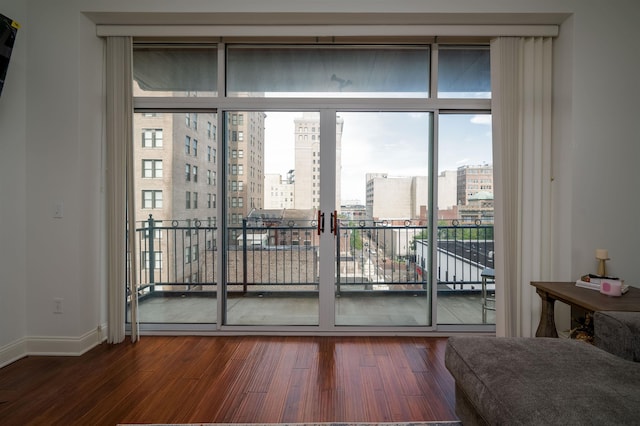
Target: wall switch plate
57,305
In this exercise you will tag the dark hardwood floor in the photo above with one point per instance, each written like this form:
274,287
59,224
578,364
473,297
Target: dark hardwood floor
233,379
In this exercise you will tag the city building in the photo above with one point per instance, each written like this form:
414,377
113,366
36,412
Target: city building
447,189
479,208
307,160
395,197
473,179
175,179
353,211
279,191
406,197
245,166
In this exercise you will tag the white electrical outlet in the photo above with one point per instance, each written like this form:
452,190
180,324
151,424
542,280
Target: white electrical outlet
57,305
58,210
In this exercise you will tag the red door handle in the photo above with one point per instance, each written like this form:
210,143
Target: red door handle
334,223
320,222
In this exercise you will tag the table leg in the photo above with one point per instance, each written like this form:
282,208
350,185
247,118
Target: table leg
547,326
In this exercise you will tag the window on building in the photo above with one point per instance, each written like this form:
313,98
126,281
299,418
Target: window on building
152,138
147,258
151,168
157,233
151,199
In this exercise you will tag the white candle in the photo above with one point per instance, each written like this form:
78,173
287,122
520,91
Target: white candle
602,254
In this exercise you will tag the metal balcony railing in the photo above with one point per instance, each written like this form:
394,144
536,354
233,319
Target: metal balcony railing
183,257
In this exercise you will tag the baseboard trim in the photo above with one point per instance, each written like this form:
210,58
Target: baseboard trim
51,346
13,352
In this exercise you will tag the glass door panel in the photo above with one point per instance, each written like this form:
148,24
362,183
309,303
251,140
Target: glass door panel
465,219
175,219
272,199
382,181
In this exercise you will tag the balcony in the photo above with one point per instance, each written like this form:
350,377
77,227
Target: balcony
272,272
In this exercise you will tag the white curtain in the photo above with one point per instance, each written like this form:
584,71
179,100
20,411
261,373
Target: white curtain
119,134
521,77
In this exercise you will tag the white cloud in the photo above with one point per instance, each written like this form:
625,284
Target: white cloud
481,119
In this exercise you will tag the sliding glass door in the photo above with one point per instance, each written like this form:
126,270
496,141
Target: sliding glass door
272,204
176,222
323,188
383,180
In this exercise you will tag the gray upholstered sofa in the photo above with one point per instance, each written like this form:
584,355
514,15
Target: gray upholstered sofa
547,381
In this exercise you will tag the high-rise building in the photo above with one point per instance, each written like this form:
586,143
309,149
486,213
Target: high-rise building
176,166
307,160
245,168
175,183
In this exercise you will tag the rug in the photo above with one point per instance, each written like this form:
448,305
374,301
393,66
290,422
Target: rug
447,423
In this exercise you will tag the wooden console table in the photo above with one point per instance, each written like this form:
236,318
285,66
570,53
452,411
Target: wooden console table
584,298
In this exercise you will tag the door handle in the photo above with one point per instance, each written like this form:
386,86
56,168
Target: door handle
320,222
334,223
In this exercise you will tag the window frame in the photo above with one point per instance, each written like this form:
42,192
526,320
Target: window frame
220,104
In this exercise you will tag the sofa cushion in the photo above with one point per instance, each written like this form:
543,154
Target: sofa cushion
618,333
545,381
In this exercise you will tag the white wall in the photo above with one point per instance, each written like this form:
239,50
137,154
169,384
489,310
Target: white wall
52,120
606,145
51,150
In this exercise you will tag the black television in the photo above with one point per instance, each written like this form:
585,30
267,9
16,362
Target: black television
8,31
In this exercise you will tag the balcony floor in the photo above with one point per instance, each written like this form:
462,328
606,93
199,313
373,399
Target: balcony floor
351,309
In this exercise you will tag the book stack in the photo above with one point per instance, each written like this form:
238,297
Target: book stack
593,282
